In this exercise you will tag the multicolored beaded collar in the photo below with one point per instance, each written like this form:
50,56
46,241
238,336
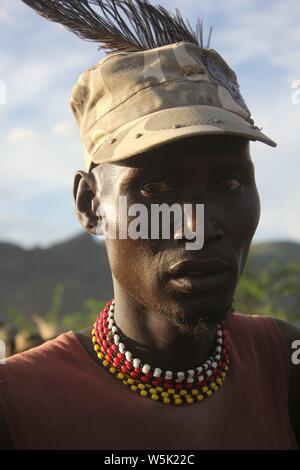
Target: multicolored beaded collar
168,387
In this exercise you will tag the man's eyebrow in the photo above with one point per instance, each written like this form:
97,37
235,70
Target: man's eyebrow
233,163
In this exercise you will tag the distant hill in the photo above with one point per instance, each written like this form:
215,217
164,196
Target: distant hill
28,278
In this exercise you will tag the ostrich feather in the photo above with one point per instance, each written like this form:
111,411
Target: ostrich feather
120,25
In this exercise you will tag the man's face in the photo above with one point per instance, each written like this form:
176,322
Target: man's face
214,171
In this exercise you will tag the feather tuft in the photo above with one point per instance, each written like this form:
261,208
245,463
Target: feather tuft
120,25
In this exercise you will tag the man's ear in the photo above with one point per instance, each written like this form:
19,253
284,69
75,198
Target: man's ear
84,192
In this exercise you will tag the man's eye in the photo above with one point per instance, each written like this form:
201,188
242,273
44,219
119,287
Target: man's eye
156,187
230,184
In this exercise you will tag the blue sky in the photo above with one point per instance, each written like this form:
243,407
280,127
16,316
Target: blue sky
40,146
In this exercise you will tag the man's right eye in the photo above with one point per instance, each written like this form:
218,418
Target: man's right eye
156,187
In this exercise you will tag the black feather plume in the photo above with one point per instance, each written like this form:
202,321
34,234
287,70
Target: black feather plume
150,26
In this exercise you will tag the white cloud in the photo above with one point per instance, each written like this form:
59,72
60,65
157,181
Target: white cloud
21,135
64,128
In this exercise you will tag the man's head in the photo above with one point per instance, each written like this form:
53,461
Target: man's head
212,170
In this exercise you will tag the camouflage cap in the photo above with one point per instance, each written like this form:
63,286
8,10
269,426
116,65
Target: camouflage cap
131,102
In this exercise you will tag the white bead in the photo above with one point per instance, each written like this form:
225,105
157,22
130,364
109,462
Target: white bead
146,368
122,348
209,373
200,378
208,362
199,369
114,329
136,363
128,355
219,333
191,372
218,357
157,372
168,374
116,339
219,340
190,380
218,349
205,366
214,365
180,375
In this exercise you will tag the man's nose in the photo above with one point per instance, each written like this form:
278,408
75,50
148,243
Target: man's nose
194,220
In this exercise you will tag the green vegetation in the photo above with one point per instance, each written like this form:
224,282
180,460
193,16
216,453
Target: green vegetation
273,291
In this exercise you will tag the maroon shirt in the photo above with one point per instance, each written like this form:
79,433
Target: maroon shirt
55,396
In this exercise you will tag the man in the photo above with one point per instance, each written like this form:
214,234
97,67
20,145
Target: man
168,363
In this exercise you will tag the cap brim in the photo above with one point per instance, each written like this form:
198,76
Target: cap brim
168,125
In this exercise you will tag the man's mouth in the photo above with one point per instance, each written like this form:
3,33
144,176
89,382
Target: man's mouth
197,274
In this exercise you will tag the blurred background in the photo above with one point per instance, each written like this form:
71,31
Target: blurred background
46,285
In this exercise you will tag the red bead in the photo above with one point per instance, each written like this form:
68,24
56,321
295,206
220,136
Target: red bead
106,331
144,379
167,386
124,369
105,343
134,375
138,371
114,347
155,383
120,355
128,364
108,357
178,386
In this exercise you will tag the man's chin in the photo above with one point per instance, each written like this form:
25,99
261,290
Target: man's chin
198,323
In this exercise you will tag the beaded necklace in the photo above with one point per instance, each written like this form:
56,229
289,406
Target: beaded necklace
168,387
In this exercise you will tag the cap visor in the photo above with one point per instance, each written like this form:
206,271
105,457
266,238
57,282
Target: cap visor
168,125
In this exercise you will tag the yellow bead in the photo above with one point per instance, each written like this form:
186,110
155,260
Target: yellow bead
134,388
144,393
125,382
154,397
159,389
93,332
200,397
130,381
204,389
112,370
120,376
152,391
183,392
167,401
100,355
105,363
94,339
190,400
141,386
213,385
219,380
226,368
148,386
171,391
165,395
195,391
209,393
178,401
176,396
223,374
97,347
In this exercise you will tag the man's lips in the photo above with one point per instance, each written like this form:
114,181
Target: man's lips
197,268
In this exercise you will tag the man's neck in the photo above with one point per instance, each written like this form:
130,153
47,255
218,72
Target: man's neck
151,338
